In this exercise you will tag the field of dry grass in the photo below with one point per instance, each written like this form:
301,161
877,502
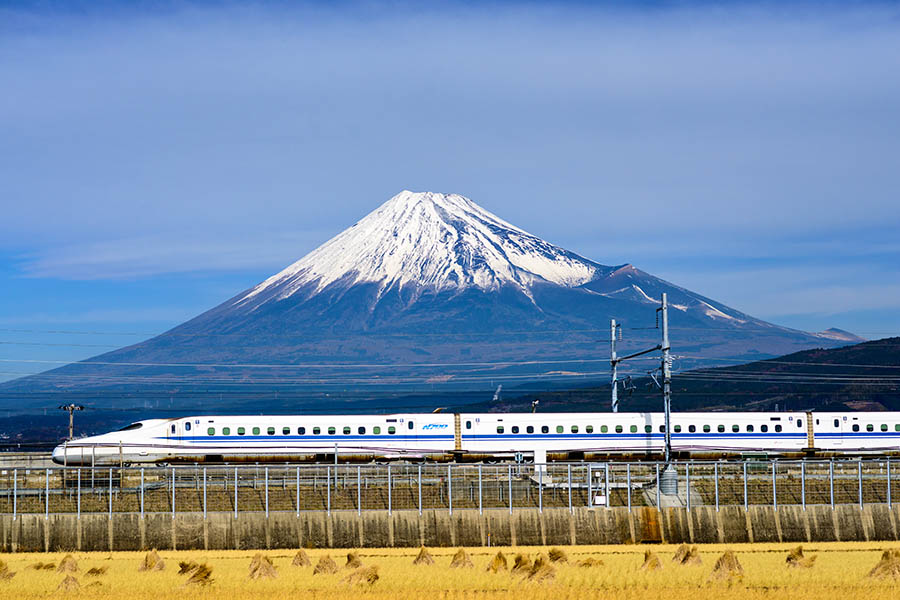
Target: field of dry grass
839,571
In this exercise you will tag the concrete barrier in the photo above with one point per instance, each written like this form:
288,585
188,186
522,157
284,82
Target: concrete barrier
557,526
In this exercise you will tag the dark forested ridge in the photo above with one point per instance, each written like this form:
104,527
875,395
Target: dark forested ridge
863,376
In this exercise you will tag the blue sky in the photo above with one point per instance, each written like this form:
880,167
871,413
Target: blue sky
156,161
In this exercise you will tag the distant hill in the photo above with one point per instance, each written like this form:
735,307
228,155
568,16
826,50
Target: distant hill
863,376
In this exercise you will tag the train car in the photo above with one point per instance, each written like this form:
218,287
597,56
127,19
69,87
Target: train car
485,436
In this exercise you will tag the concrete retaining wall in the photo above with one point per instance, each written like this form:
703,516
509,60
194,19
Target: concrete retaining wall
128,531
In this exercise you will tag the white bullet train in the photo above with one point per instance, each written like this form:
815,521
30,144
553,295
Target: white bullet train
489,436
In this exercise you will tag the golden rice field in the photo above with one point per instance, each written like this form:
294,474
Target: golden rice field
840,572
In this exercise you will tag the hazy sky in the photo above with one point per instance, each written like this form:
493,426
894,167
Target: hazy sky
156,161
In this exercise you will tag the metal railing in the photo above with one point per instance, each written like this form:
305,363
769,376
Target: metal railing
450,487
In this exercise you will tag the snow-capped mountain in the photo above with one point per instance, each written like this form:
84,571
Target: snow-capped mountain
442,242
433,289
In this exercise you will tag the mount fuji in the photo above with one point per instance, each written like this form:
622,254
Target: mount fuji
430,290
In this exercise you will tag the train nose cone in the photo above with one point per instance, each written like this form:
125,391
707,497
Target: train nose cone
59,454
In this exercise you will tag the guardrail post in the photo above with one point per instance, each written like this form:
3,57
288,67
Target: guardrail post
628,483
173,491
606,483
541,490
236,492
266,476
746,498
687,484
297,468
390,492
47,494
657,487
142,492
420,489
831,481
859,477
450,487
120,485
716,482
78,493
204,490
803,483
358,490
509,480
590,489
774,489
570,485
480,508
890,504
15,492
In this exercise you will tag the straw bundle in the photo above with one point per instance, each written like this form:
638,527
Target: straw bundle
200,576
325,566
727,568
261,567
497,564
353,561
424,557
796,560
152,562
68,584
687,555
363,576
888,566
651,562
96,571
67,565
461,560
300,559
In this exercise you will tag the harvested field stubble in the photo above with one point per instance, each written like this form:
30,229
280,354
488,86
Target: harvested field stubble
841,572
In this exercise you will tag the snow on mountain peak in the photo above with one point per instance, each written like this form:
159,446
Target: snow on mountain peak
439,241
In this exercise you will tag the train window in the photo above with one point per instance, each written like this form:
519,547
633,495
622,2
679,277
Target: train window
376,430
855,427
720,429
618,429
410,425
285,431
529,429
633,429
515,429
361,430
883,427
545,429
662,428
499,428
301,430
749,428
764,428
706,429
134,426
256,431
211,431
468,424
559,429
870,427
332,431
897,427
226,431
778,428
574,428
173,430
392,430
735,428
604,429
692,428
648,428
589,429
187,426
270,431
799,422
837,423
241,431
678,429
317,430
346,431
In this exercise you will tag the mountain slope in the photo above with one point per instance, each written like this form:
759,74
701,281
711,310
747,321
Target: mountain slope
427,289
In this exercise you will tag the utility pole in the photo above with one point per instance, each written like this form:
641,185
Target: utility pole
71,408
667,375
614,363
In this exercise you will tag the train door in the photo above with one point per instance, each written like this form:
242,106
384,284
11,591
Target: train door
838,430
